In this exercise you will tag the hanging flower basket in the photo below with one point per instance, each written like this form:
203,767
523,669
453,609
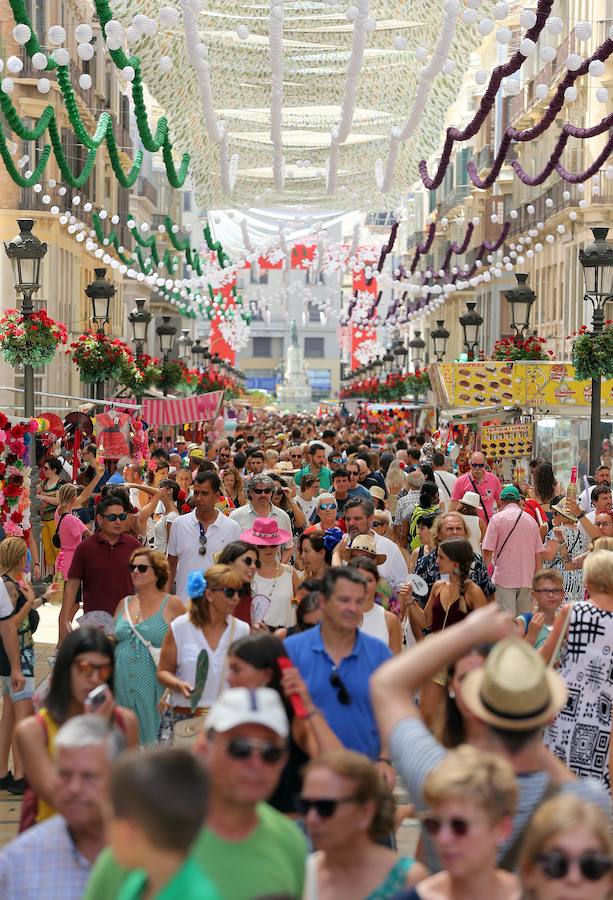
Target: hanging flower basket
592,354
514,348
30,340
172,374
395,387
99,358
140,373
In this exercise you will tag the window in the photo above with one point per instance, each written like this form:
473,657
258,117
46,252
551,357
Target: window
258,276
314,313
314,348
262,346
187,201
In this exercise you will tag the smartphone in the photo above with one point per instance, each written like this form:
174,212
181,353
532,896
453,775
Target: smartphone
96,698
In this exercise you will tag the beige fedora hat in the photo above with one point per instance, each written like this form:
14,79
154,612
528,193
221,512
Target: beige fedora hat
514,689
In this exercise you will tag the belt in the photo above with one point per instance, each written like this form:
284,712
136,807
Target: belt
187,711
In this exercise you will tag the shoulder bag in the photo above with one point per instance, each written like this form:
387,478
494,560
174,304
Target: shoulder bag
55,540
154,652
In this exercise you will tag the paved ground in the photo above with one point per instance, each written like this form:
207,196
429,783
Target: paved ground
46,638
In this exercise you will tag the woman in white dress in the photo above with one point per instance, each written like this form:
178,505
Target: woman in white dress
272,588
376,621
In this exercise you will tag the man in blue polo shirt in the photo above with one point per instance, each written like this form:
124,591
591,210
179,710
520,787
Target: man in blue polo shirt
336,660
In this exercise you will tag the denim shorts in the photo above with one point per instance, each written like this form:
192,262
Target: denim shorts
26,694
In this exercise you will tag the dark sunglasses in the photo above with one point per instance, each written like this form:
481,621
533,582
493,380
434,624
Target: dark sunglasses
139,567
477,465
229,592
327,505
250,561
112,517
344,697
244,748
85,667
325,808
460,827
592,864
261,490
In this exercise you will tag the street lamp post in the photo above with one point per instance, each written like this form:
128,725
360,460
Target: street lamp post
166,333
139,319
401,353
439,336
597,262
184,345
520,299
100,292
198,352
471,323
388,360
417,345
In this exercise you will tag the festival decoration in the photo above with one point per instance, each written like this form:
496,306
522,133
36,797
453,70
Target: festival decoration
140,373
520,348
592,352
30,340
15,475
99,358
395,387
172,373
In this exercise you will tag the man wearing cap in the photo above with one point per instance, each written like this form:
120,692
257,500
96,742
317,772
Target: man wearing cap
513,694
513,544
195,456
484,483
260,506
246,847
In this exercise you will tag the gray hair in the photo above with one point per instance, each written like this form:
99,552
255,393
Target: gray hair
326,498
89,730
266,480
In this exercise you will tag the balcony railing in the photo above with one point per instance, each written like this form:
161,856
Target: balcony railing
485,158
604,185
454,198
146,189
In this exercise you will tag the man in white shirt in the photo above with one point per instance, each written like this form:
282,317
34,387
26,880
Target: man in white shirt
260,506
196,538
359,515
444,479
601,500
602,476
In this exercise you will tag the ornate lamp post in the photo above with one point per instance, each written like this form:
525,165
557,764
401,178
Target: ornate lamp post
139,319
521,299
401,353
388,361
184,345
100,292
198,352
417,346
597,262
471,323
166,333
439,336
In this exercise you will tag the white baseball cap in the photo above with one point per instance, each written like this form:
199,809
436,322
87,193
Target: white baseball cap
242,706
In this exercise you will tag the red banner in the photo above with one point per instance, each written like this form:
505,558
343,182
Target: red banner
218,343
361,334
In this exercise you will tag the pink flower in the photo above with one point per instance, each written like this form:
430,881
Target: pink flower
12,530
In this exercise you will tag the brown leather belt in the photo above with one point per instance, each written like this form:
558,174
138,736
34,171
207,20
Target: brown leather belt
187,711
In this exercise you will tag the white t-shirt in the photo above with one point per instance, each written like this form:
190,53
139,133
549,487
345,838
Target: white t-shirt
395,567
6,607
190,641
184,543
160,532
445,482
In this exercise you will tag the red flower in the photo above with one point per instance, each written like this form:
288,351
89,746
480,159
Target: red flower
12,490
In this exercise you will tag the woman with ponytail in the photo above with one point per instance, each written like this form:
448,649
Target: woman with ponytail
451,599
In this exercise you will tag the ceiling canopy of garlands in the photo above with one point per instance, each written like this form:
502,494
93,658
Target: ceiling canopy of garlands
295,103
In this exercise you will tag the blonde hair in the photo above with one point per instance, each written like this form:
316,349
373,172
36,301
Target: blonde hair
547,575
384,515
67,494
603,543
395,479
12,550
217,576
562,813
369,786
485,778
598,571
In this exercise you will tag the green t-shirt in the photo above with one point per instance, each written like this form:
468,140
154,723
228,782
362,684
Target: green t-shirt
190,883
325,477
270,861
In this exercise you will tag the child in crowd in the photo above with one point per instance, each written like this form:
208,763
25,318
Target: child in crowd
547,597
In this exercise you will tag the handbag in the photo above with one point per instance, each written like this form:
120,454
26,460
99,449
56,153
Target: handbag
154,652
55,539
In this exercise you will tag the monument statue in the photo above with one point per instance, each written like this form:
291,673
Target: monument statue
294,392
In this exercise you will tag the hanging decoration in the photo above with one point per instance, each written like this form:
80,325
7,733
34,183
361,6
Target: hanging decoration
592,353
30,340
99,357
15,475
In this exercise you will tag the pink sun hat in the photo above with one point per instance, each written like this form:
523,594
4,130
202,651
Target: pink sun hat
265,533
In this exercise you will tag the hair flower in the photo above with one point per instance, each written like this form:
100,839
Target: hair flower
332,537
196,584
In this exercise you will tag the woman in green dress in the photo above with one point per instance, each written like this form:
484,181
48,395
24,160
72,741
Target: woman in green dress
141,623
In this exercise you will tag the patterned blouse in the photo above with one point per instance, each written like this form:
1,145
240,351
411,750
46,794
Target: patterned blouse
427,568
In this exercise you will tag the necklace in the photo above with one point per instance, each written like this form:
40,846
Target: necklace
274,580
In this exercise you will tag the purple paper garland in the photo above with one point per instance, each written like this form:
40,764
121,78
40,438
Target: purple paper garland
423,248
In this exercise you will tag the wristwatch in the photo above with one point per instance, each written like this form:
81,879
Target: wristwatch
581,515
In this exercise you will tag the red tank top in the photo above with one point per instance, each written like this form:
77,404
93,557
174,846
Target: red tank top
454,614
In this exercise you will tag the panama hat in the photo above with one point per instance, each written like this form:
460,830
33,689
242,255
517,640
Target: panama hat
265,533
560,508
284,467
377,492
471,498
363,545
514,690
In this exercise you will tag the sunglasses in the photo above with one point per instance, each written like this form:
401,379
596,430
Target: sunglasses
202,547
112,517
459,827
244,748
229,592
85,667
477,465
344,697
261,490
327,505
378,524
250,561
324,807
139,567
592,864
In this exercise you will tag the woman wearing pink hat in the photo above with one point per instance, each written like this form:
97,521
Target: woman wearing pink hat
271,587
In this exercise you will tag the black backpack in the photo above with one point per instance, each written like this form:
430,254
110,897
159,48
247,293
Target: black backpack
55,540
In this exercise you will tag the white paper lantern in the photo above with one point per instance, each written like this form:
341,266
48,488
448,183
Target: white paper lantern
470,16
566,195
399,42
85,82
504,35
370,25
561,229
547,54
165,63
573,62
486,26
421,53
541,90
449,66
128,73
62,191
61,56
22,34
150,28
513,214
500,10
527,47
14,65
512,86
596,68
113,42
473,4
554,25
133,34
580,188
169,16
572,216
480,76
102,214
548,202
85,51
39,61
242,32
44,85
602,94
527,18
83,33
583,31
56,35
530,209
583,203
114,27
570,94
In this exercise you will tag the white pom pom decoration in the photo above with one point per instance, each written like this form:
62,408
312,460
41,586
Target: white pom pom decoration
165,63
242,32
554,25
501,10
527,47
486,26
133,34
56,35
570,94
480,76
22,34
61,56
85,82
169,16
85,51
128,73
596,68
44,85
527,18
7,85
14,65
583,31
530,209
421,53
602,94
470,16
541,90
573,62
113,42
547,54
39,61
83,33
114,27
504,35
399,42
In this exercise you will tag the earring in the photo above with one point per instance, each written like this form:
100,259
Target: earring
452,694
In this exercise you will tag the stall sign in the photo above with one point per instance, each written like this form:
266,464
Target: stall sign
510,441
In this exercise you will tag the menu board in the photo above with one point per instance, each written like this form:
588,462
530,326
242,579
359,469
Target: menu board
510,441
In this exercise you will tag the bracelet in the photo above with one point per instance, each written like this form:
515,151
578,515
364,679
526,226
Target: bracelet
581,515
384,759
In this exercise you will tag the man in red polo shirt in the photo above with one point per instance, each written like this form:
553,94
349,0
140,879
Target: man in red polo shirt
486,484
101,565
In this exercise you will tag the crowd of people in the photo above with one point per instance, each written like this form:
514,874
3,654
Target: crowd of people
265,639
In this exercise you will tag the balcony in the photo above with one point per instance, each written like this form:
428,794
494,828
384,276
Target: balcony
524,221
145,189
484,158
604,194
454,198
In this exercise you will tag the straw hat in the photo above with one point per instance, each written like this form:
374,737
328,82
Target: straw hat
284,467
514,689
560,508
377,492
363,545
471,498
